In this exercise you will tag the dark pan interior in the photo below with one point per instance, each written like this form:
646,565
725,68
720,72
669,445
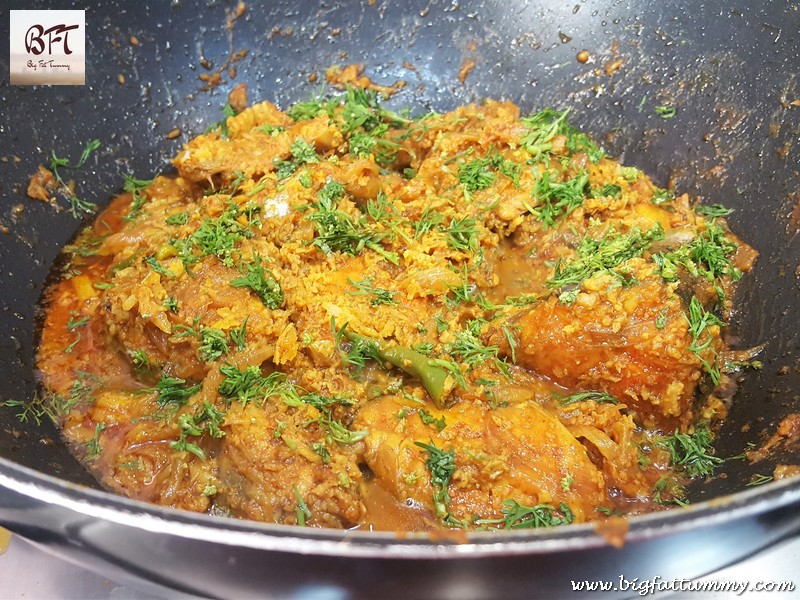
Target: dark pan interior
729,68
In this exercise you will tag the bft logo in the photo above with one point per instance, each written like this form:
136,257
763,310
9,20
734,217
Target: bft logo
34,43
48,47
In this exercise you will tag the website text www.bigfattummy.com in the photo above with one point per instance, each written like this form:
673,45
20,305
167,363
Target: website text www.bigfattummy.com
644,587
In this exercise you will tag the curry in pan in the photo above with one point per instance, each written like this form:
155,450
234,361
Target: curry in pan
345,316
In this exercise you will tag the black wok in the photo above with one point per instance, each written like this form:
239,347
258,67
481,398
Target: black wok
729,68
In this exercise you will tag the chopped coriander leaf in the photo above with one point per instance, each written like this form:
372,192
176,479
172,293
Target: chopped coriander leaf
522,300
262,282
232,187
93,447
57,162
154,264
54,406
239,335
441,325
383,211
338,231
170,303
303,152
217,237
135,187
249,385
605,254
758,479
213,344
361,109
380,295
139,359
661,318
374,143
76,205
662,196
469,348
520,516
666,111
322,450
713,211
272,130
339,433
542,128
428,419
475,175
599,397
75,321
172,390
303,512
508,331
243,384
222,125
441,465
555,200
207,420
669,492
546,125
425,348
366,124
580,142
427,221
699,321
461,293
609,189
462,234
630,174
306,110
179,218
692,452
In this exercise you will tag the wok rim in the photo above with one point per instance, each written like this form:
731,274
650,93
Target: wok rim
86,502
